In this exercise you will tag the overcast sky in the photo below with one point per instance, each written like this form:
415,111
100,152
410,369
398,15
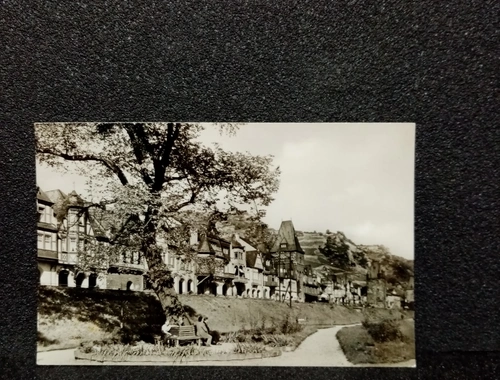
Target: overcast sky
354,178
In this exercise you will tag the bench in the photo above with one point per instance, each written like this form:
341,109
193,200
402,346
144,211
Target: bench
183,333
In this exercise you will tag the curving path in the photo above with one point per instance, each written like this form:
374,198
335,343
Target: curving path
320,349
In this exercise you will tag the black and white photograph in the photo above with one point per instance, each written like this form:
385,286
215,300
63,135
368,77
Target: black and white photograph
225,244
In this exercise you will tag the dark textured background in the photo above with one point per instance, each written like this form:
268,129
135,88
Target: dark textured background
424,62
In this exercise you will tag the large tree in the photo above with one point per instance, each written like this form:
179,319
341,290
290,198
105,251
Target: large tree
153,175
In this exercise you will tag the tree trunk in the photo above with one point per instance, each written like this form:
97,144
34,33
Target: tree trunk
160,276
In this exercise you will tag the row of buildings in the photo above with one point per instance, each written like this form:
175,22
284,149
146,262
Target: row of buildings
244,269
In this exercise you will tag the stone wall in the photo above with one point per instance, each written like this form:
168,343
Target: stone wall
119,281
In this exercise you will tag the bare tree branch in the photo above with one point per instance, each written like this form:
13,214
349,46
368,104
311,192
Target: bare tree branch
88,157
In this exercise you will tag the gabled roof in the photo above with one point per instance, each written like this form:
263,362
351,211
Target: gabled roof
286,234
42,196
235,242
75,200
204,246
247,241
251,259
55,195
218,240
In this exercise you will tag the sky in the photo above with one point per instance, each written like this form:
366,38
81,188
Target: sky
354,178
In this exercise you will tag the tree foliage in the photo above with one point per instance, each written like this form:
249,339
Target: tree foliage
336,251
155,176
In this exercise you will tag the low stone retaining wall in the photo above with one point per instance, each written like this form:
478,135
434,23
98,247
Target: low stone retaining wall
167,359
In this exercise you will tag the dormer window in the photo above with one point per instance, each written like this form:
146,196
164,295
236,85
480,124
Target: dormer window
283,245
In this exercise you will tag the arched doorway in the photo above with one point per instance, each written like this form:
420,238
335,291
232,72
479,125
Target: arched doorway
79,279
181,285
92,281
224,289
63,278
240,289
213,288
258,293
129,285
266,293
253,293
39,276
190,286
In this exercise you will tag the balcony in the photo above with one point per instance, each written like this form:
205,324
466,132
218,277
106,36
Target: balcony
238,262
240,279
219,273
68,258
286,276
47,254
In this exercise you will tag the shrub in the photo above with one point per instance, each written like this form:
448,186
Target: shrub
44,341
241,337
290,326
384,331
249,348
278,340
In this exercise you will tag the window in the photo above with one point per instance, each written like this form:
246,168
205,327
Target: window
72,244
40,241
41,213
47,242
48,218
283,245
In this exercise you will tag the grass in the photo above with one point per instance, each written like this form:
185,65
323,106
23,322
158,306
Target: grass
289,334
360,346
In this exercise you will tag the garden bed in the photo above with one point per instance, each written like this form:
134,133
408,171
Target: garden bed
176,354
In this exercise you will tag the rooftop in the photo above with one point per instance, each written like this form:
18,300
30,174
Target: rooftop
287,235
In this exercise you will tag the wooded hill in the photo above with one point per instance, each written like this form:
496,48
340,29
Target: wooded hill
329,248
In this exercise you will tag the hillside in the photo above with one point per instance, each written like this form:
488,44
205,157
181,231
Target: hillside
344,253
357,257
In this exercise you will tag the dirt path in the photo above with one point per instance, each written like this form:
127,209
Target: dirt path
321,349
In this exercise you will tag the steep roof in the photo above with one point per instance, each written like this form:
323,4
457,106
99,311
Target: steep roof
235,242
55,195
286,234
204,246
247,241
251,258
74,199
216,239
42,196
